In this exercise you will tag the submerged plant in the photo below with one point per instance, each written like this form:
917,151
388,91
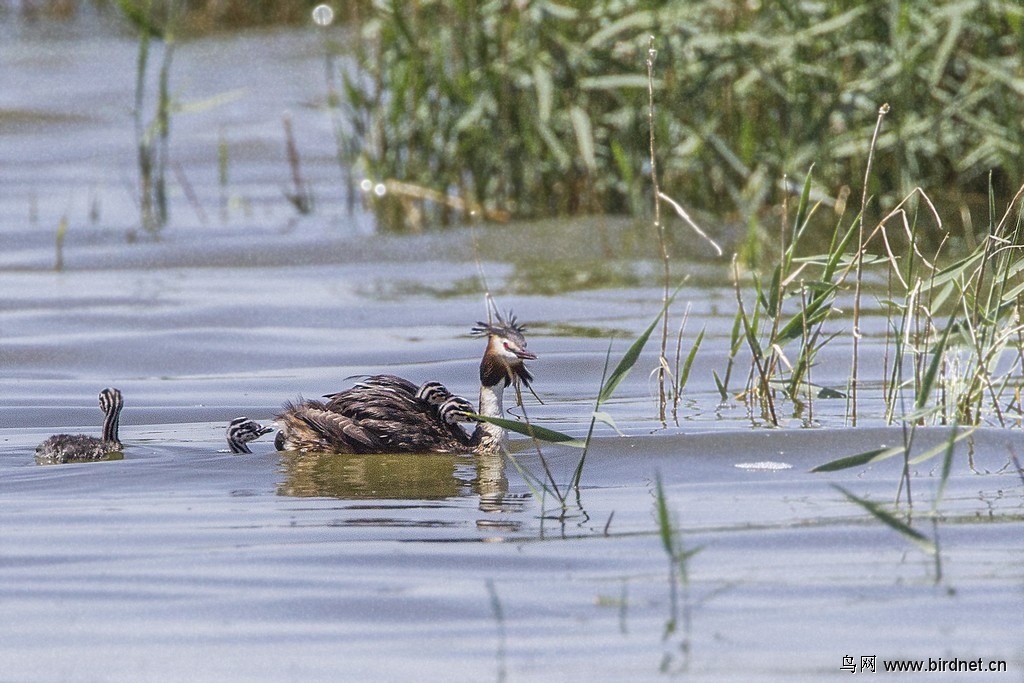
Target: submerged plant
299,196
62,231
678,570
152,137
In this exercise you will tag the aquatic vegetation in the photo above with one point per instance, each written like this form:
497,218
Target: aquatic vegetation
62,231
953,332
223,173
902,524
679,620
892,521
323,17
300,195
535,109
152,136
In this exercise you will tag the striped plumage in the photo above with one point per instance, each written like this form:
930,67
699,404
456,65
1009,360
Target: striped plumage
389,414
64,448
241,431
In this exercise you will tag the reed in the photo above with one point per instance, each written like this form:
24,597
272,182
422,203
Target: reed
882,111
666,390
223,173
659,227
62,231
533,109
499,619
902,524
300,195
892,521
152,135
323,17
682,367
610,382
790,306
952,350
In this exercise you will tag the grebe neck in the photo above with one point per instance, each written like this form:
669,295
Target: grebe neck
492,437
111,422
111,404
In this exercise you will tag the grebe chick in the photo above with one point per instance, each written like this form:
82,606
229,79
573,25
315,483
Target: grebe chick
388,414
63,448
241,431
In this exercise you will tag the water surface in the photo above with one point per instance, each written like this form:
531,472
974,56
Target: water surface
182,561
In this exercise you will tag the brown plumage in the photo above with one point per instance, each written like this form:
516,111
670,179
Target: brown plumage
389,414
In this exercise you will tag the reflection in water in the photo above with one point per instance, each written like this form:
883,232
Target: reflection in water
50,460
404,476
492,487
360,476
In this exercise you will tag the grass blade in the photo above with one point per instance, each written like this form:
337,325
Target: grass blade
531,430
860,459
664,518
945,447
722,391
933,368
630,358
947,465
684,374
891,521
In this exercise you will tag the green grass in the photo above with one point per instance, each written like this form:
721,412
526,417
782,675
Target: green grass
152,132
541,108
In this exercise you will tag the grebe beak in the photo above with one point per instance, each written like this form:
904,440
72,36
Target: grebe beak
519,353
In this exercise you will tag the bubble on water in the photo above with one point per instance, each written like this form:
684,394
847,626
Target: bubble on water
323,15
764,466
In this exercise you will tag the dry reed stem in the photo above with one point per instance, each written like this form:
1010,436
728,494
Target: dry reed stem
659,227
882,111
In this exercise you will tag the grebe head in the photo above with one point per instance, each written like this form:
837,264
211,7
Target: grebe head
506,351
433,393
456,409
241,431
111,401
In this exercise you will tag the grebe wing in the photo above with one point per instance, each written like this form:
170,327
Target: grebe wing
331,427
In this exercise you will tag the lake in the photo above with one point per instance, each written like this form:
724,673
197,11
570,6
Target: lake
182,561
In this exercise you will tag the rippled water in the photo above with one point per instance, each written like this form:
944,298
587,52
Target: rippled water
183,562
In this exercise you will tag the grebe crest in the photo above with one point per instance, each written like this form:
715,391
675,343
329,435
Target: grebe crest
389,414
64,448
241,431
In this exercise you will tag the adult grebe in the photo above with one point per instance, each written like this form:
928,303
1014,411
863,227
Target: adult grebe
388,414
62,448
241,431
